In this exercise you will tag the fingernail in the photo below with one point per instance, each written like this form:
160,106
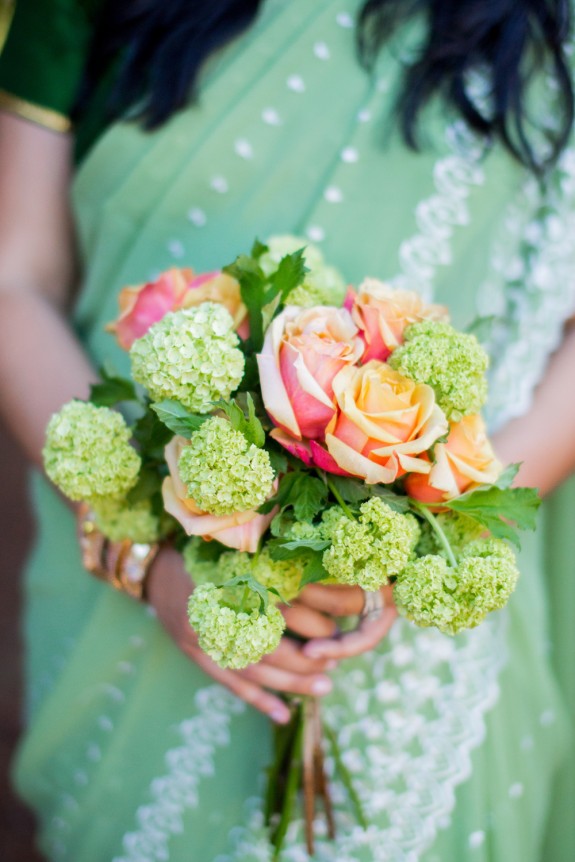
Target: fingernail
331,664
279,716
321,686
312,652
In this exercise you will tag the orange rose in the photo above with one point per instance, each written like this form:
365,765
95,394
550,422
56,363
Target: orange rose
463,462
146,304
240,530
384,425
382,312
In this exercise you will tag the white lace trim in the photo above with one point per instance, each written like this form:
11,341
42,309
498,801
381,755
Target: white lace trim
177,789
531,289
409,721
438,216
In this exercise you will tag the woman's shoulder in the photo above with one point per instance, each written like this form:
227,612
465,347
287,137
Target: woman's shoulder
43,58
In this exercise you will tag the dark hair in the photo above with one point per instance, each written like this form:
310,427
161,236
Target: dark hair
163,45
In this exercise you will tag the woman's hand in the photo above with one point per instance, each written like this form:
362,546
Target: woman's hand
288,669
315,609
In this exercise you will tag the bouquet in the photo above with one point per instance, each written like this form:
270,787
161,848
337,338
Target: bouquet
283,430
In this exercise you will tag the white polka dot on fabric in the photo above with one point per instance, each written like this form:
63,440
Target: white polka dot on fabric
80,778
197,217
176,248
271,117
219,184
296,83
349,155
547,718
315,233
93,752
137,641
382,85
527,743
344,19
516,790
244,149
333,195
476,839
364,116
105,723
321,51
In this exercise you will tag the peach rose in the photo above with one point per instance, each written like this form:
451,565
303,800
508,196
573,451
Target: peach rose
463,462
241,530
303,351
382,312
384,425
144,305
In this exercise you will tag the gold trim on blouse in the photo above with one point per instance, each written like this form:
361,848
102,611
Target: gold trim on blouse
34,113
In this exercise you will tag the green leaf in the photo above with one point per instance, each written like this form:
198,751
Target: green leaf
113,389
151,435
482,328
253,291
149,483
253,585
397,502
278,460
503,511
290,273
259,248
314,570
351,490
308,497
280,549
177,419
283,495
505,480
250,426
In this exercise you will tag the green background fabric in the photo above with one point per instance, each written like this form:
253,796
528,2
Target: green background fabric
456,744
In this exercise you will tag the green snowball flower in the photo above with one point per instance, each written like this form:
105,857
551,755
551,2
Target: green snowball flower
453,363
373,549
191,356
233,637
118,520
431,593
223,472
281,575
87,453
323,285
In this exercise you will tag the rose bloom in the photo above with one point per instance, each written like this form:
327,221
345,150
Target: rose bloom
463,462
384,425
381,312
303,351
241,530
146,304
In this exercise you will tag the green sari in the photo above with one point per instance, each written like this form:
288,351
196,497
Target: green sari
455,745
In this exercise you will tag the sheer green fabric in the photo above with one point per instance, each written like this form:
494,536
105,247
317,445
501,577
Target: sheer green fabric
455,744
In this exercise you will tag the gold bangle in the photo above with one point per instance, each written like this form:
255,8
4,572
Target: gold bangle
124,565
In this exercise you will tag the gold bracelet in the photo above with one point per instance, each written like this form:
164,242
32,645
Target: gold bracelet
125,565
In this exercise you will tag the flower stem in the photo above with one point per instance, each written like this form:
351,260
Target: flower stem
432,521
340,500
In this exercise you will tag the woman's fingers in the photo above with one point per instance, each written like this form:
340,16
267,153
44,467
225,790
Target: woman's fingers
289,656
308,623
367,636
288,681
335,600
240,685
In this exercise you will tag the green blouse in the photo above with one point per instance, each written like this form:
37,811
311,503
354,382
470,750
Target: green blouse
42,64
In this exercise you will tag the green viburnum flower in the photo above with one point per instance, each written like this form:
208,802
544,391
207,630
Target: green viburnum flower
431,593
87,453
453,363
191,356
371,550
281,575
118,520
323,285
233,637
223,472
459,531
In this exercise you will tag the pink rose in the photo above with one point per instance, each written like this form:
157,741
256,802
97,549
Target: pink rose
304,350
241,530
146,304
384,425
463,462
382,312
